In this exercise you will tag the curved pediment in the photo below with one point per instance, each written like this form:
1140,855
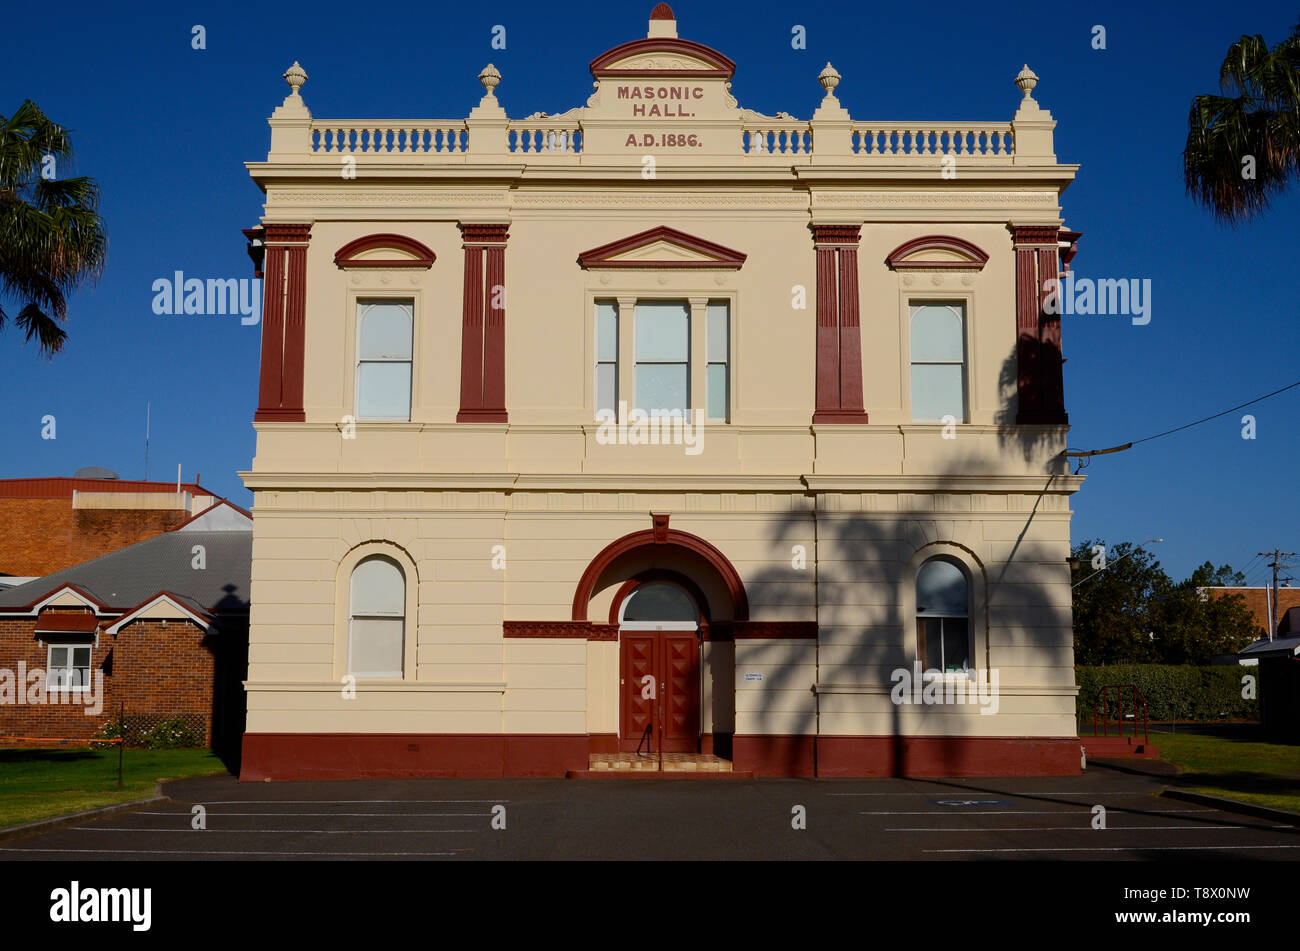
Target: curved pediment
663,56
937,252
662,247
384,250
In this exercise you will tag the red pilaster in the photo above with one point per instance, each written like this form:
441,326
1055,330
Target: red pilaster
839,336
1052,395
284,308
483,340
1031,243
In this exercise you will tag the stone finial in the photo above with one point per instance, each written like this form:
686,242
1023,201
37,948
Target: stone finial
829,79
295,76
490,78
1026,79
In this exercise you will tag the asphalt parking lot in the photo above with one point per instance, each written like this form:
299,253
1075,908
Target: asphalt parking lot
1039,818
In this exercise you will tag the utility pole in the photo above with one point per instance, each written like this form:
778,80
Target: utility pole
1275,564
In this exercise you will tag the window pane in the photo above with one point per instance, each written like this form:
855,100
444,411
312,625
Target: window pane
384,391
931,632
717,391
661,386
378,587
606,330
385,331
81,657
377,647
956,645
936,334
941,589
663,330
659,602
607,387
719,318
937,391
58,657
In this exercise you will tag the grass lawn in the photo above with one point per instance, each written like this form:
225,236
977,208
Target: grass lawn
1235,761
42,783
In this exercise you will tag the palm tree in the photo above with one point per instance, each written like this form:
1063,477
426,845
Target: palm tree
1254,127
51,238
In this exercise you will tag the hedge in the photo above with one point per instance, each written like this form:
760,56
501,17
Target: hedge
1173,692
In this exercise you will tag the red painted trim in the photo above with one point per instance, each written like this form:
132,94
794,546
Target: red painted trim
62,487
1027,309
828,341
660,522
850,335
774,755
28,608
345,256
483,235
299,756
976,256
471,342
774,630
268,394
494,335
634,540
571,629
933,756
726,258
602,743
295,332
662,11
839,334
720,65
1050,363
1024,235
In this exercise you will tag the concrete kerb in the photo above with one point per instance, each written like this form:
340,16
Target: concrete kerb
1232,805
49,825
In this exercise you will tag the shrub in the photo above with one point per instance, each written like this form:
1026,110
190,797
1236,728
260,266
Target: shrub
1172,692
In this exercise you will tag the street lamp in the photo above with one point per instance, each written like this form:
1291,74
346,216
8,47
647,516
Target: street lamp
1137,547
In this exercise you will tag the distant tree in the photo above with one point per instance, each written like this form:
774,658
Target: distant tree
1133,613
1243,147
1111,609
51,236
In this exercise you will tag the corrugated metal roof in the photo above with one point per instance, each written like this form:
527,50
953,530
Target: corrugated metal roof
125,578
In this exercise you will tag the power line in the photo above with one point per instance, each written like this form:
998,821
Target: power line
1177,429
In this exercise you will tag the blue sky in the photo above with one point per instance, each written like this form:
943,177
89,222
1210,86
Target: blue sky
165,130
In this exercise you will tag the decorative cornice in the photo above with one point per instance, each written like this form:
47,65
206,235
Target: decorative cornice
421,256
484,235
1035,235
838,236
722,258
287,234
973,257
719,66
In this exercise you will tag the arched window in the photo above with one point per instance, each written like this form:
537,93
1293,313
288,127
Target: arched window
938,362
384,359
943,617
377,624
659,601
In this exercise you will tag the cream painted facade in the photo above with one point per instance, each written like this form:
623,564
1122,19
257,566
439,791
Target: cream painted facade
815,514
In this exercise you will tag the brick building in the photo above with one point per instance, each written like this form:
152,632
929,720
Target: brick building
49,524
156,630
1259,601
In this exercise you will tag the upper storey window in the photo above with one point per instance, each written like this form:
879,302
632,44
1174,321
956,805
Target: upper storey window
938,354
384,329
663,356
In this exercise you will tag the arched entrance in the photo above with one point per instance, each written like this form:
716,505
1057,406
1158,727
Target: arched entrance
659,627
681,635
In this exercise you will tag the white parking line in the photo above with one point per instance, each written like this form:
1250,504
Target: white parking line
232,852
373,815
1015,812
260,831
1134,848
322,802
1083,828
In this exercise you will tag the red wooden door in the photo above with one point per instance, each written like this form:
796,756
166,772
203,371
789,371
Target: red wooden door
672,658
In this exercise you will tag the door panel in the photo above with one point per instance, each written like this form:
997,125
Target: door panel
673,659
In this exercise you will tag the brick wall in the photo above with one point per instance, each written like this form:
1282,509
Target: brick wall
39,536
1257,601
158,669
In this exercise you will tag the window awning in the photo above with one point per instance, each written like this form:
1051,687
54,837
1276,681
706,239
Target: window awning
78,623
